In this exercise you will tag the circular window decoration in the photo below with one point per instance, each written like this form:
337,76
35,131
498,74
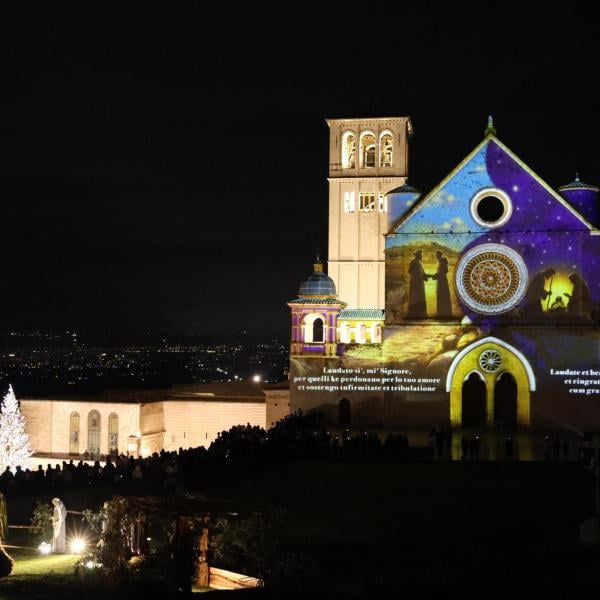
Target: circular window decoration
491,279
491,207
490,361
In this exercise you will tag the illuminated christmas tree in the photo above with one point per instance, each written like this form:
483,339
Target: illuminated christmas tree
14,441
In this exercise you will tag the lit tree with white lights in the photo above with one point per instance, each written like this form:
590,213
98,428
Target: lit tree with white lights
14,441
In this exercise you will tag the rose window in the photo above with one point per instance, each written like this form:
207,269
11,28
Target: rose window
490,361
491,279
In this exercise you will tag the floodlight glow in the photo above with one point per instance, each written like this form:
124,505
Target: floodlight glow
78,545
45,548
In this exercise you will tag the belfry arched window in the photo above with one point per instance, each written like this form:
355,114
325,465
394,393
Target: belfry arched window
367,149
318,330
93,445
348,150
74,433
386,149
314,328
113,433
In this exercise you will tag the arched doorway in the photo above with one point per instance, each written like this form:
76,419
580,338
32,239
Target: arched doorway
505,401
473,401
490,358
344,412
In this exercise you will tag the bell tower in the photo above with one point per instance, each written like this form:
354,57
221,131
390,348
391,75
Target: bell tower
367,159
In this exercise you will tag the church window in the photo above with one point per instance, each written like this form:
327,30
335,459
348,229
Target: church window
74,433
491,207
113,433
314,328
345,333
367,149
348,150
376,333
93,446
349,202
386,149
360,333
366,201
317,330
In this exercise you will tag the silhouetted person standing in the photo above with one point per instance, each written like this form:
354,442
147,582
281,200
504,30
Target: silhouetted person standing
565,448
556,449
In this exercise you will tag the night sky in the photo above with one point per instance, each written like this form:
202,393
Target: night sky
163,165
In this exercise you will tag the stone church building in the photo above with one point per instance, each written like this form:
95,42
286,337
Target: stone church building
140,422
474,305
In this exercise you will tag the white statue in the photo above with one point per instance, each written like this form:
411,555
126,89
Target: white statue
59,522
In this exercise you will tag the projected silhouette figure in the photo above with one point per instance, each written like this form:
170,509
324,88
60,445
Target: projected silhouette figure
444,305
417,305
537,293
580,302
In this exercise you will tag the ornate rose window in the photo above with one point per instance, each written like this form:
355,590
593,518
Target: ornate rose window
490,361
491,279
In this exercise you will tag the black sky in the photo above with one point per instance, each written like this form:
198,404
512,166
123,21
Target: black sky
163,165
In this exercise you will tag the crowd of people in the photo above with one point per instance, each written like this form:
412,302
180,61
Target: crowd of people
296,437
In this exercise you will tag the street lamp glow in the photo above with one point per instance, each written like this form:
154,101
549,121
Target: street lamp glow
78,545
256,378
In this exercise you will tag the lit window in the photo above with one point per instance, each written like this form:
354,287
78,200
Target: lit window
349,202
367,149
366,201
386,149
74,433
113,433
348,150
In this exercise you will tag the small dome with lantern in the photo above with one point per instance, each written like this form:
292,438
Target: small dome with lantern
318,284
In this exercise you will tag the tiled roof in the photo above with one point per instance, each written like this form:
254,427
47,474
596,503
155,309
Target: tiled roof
316,301
368,314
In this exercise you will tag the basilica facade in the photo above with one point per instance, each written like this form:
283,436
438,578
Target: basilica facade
476,304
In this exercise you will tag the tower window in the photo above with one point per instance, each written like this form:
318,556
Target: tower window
366,202
367,149
386,149
317,330
348,150
349,202
314,328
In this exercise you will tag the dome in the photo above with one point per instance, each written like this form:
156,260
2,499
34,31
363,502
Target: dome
404,189
577,184
318,283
